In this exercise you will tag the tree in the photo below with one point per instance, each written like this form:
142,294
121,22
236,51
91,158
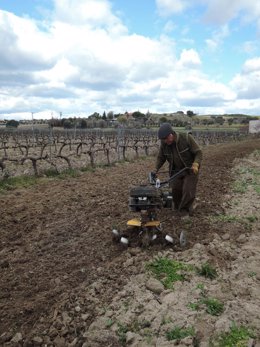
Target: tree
138,114
95,115
110,115
244,121
68,124
190,113
101,123
54,122
220,120
83,124
163,120
122,119
12,123
230,121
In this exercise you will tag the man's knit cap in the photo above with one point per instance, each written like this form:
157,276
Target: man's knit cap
165,130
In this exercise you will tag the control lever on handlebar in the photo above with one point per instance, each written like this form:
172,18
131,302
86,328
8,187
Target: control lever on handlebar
155,181
152,177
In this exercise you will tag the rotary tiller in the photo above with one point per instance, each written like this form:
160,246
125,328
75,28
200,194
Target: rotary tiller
147,200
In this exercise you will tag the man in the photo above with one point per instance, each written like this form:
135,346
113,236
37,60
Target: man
180,150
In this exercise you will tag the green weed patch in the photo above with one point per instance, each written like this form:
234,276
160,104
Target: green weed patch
207,271
178,333
248,177
236,336
245,221
169,271
213,306
12,183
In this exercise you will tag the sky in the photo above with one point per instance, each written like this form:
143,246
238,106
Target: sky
77,57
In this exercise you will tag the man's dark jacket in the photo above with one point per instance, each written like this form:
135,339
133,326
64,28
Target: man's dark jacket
182,153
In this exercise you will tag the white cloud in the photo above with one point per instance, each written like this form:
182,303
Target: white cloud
84,60
252,66
169,27
60,72
92,13
170,7
215,11
223,11
217,38
92,58
189,59
22,43
206,93
248,81
250,47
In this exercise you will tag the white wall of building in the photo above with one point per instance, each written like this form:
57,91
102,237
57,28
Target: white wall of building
254,126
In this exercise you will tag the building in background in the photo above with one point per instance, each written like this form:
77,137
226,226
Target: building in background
254,126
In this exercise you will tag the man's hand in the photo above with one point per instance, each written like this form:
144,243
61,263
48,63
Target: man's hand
195,168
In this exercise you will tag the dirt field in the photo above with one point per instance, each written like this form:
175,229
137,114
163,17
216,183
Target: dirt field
60,269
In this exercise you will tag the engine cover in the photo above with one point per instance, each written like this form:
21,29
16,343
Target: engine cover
144,198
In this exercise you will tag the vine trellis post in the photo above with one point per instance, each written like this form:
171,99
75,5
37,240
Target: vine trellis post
120,142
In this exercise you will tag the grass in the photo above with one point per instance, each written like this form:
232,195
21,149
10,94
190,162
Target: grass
235,337
178,333
194,306
15,182
252,219
12,183
135,326
126,305
245,221
257,188
23,181
169,271
240,186
109,323
207,271
250,177
121,332
166,320
62,175
201,286
227,218
216,128
213,306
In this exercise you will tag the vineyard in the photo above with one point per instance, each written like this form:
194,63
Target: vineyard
35,152
65,283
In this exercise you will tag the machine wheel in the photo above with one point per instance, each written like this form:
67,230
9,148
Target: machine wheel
115,235
169,239
183,238
124,241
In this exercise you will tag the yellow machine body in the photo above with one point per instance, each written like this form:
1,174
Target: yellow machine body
138,223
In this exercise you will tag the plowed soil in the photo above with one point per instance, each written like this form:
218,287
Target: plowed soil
55,238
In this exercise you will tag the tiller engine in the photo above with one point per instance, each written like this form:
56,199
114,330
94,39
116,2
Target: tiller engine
147,200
